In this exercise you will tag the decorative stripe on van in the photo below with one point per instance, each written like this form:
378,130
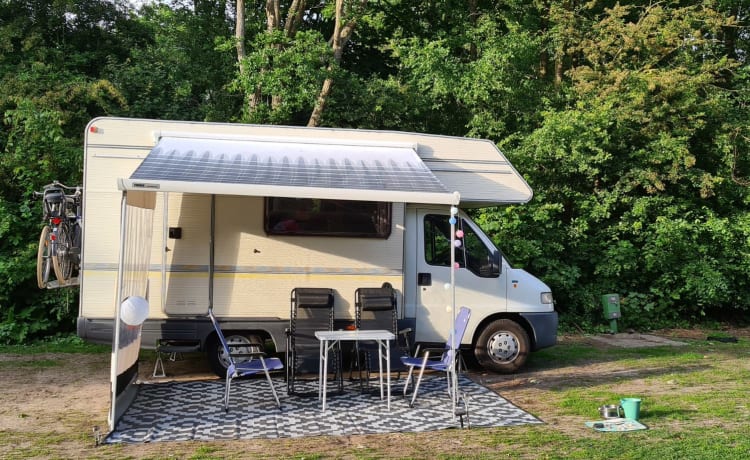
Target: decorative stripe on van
248,269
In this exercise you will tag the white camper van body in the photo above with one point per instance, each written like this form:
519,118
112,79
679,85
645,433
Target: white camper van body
249,275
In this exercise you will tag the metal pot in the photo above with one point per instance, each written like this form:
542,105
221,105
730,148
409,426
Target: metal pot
610,411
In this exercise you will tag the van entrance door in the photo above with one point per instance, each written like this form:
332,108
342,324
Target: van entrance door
478,279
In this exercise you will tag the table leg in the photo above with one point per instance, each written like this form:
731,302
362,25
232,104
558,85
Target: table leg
380,367
388,369
320,371
325,374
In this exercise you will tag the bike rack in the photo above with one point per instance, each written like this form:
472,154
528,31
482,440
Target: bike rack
55,284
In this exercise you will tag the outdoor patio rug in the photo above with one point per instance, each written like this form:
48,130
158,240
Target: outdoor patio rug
180,411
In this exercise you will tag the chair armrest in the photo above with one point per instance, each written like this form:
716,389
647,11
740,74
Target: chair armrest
427,352
403,335
433,351
248,354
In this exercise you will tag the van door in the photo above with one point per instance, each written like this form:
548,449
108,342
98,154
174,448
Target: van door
478,278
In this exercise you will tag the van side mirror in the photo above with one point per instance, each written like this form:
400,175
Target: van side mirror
492,268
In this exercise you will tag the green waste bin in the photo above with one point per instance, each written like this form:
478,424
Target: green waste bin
611,305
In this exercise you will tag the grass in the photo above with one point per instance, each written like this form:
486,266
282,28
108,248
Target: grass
695,403
66,344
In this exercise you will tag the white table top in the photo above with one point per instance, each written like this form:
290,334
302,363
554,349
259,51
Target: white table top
374,334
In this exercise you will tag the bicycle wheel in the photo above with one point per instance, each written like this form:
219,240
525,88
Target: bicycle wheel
62,259
43,258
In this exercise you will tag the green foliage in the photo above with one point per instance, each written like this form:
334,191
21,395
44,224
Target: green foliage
287,73
181,69
644,204
57,343
35,151
49,72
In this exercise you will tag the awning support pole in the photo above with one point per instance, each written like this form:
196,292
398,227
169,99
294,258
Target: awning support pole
211,254
453,344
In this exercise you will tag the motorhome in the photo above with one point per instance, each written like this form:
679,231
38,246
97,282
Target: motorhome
189,215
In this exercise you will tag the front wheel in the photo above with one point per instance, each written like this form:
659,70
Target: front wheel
62,260
502,347
44,258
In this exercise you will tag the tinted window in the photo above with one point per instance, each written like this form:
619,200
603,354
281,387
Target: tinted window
308,216
437,241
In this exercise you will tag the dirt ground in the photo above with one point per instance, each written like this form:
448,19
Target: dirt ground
62,404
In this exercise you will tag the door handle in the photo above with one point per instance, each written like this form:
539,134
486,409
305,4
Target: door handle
424,279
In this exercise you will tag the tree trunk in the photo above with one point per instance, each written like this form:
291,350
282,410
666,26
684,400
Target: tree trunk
543,29
239,38
294,17
339,39
559,68
473,18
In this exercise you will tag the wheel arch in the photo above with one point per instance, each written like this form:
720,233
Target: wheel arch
518,319
212,336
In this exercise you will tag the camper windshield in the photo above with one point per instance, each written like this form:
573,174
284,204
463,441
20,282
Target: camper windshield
318,217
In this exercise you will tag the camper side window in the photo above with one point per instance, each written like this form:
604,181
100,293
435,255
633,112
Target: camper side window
317,217
437,241
471,252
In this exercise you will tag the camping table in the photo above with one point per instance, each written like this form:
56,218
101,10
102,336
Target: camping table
329,339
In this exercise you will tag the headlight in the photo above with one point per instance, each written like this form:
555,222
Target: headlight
547,297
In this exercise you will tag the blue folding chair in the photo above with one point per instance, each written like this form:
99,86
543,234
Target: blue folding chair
446,363
258,363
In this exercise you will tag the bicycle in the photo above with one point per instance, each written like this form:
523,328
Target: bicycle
60,240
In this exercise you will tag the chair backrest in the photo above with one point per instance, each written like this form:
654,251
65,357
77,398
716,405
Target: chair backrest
311,308
456,335
220,335
375,308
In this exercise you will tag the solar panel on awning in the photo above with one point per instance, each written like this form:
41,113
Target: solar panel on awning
290,169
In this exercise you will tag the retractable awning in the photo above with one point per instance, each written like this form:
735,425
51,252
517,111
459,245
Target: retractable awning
303,169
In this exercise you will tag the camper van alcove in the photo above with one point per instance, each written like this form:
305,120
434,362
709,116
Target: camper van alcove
265,209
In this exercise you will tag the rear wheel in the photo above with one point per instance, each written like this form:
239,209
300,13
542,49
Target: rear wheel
238,344
502,347
44,258
62,260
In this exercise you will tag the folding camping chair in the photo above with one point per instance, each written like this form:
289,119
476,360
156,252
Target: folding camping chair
311,310
174,350
376,308
448,361
257,364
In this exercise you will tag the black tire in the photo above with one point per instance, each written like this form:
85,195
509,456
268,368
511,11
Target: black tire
62,259
44,258
217,357
502,347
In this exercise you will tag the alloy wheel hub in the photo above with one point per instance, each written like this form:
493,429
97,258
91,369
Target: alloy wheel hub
503,347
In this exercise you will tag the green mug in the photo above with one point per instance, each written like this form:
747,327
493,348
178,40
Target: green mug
631,407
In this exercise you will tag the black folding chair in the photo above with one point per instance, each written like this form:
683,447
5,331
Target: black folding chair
376,308
311,310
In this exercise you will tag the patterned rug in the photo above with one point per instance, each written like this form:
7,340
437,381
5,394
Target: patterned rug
181,411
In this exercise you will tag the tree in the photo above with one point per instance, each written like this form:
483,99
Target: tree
344,24
632,177
180,69
290,71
